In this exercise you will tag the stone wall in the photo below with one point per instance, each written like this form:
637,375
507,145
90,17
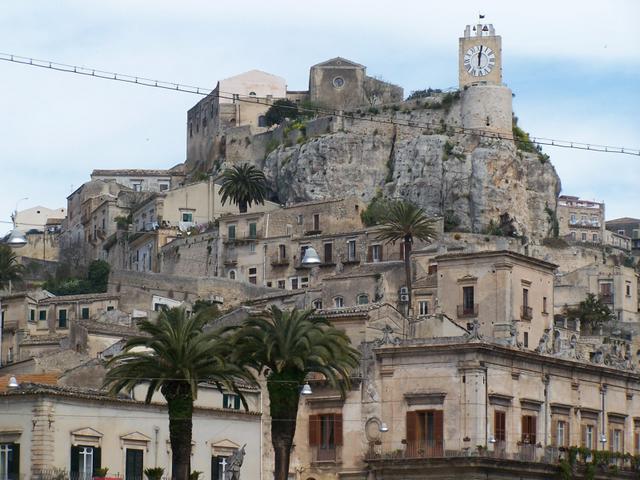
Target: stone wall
137,289
195,256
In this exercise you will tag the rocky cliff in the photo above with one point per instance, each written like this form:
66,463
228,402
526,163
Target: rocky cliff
446,171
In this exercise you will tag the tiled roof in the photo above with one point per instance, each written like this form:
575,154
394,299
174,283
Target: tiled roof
133,172
110,328
42,339
624,220
40,378
86,297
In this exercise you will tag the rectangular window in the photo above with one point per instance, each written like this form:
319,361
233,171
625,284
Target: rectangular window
627,288
84,461
294,283
588,436
304,282
594,238
423,307
529,429
252,247
328,252
134,464
325,434
218,467
583,237
32,315
85,313
231,401
351,250
282,252
621,232
282,284
253,230
616,436
468,300
231,232
137,187
425,433
164,187
525,297
42,315
573,218
187,217
9,461
573,235
560,433
499,426
316,222
376,253
62,318
544,305
253,275
525,339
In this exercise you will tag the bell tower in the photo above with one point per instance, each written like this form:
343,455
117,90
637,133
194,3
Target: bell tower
486,103
480,56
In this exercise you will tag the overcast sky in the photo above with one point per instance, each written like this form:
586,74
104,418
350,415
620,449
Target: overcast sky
574,67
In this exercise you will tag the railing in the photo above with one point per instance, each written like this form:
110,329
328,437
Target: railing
278,261
606,298
346,259
421,450
241,238
465,311
585,223
526,313
524,453
327,454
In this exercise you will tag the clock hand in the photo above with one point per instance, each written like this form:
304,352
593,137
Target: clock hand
479,55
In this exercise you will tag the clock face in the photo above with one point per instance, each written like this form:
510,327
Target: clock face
479,60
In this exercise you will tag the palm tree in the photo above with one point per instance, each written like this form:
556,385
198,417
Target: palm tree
285,346
404,221
174,356
10,269
243,185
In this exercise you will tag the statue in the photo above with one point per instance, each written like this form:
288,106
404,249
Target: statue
234,462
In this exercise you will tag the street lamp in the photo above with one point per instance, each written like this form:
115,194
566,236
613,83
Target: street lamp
306,389
16,238
13,383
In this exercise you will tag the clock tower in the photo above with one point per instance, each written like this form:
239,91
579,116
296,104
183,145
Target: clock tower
486,105
480,56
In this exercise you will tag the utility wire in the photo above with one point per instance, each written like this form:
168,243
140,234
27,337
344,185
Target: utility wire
147,82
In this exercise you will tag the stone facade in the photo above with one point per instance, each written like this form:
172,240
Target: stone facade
488,69
580,220
143,180
629,227
615,285
52,424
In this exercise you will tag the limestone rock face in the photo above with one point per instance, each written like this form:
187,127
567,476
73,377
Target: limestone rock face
476,178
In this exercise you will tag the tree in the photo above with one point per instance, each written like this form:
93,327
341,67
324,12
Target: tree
280,110
405,221
243,185
10,269
285,346
98,276
174,356
592,312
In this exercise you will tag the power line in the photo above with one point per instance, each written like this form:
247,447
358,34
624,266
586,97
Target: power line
147,82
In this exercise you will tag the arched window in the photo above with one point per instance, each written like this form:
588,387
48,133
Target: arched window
232,274
252,94
317,304
363,299
338,302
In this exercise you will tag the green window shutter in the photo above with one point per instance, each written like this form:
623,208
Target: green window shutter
13,467
97,459
236,402
75,461
253,230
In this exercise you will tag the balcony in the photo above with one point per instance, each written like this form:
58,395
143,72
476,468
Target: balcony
526,313
278,261
350,259
240,239
468,311
332,454
585,224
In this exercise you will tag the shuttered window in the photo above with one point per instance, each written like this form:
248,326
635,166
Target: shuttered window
325,430
84,462
588,436
425,433
135,465
500,423
529,424
560,433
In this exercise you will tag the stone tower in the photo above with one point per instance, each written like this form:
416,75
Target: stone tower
486,102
